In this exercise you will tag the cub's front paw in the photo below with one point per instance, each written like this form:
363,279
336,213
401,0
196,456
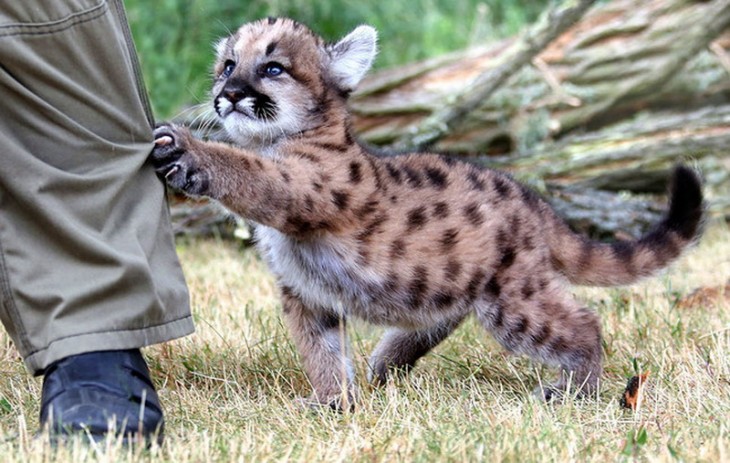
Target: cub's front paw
176,162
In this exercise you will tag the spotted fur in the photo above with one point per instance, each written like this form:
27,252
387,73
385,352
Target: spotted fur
415,242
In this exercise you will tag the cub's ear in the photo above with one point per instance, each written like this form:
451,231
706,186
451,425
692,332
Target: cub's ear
350,58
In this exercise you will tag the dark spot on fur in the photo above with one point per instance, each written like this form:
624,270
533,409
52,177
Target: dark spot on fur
514,223
340,148
394,199
623,250
317,187
379,184
507,250
530,198
418,287
476,182
299,225
440,210
397,249
472,288
340,199
413,177
624,253
522,324
329,321
270,48
308,156
449,160
492,287
528,291
473,214
442,300
437,178
449,239
285,176
272,20
355,172
498,316
452,270
502,187
372,228
507,259
416,218
368,208
541,335
394,173
324,225
560,345
286,291
503,239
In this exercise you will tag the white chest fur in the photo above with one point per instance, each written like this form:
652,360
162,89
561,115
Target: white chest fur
323,272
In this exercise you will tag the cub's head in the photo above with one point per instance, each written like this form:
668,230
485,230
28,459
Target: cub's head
275,78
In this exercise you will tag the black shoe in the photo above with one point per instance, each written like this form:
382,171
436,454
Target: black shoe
101,392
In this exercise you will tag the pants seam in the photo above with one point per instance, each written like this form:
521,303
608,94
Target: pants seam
9,303
53,27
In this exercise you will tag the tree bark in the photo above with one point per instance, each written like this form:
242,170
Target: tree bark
519,53
623,57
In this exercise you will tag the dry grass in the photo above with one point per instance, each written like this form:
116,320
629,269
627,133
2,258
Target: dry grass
229,390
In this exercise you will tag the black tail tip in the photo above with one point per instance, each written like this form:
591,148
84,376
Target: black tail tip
685,204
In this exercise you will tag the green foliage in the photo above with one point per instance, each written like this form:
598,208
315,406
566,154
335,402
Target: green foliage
5,406
174,37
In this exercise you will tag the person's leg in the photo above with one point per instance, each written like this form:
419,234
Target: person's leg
87,261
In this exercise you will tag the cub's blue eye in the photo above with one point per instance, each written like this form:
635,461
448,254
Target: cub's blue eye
273,70
228,68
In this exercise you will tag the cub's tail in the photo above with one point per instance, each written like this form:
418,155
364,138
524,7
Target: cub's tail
594,263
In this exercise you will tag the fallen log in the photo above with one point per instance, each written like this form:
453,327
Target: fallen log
622,57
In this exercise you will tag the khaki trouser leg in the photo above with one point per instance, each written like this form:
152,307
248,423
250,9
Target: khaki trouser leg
87,260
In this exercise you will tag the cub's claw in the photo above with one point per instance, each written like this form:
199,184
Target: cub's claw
163,140
175,161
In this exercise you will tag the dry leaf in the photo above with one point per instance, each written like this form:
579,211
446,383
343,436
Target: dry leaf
634,387
706,297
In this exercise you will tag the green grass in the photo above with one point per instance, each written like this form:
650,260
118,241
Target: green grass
229,391
175,37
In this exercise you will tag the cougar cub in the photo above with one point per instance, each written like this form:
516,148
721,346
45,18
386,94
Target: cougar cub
415,242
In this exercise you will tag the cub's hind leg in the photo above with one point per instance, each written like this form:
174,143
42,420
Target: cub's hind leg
319,335
553,328
399,349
